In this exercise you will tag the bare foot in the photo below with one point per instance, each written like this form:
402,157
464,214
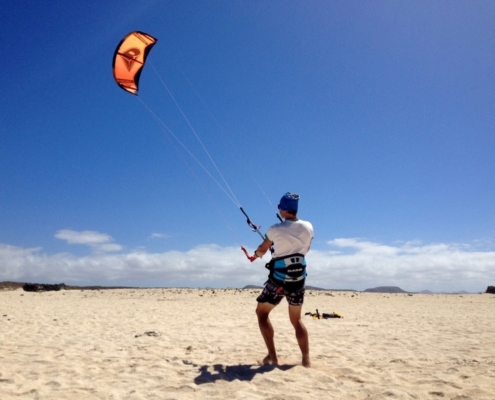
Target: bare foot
306,362
268,360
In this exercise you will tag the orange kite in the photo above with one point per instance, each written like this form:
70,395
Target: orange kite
129,58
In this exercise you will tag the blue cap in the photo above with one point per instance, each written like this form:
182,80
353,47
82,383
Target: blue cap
289,202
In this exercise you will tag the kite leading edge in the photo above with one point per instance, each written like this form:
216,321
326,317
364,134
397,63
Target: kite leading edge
129,58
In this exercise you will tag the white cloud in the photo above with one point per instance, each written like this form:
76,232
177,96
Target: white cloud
412,266
349,263
364,247
204,265
98,241
159,236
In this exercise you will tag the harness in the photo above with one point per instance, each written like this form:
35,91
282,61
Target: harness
288,270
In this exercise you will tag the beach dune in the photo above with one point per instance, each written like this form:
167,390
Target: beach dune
205,343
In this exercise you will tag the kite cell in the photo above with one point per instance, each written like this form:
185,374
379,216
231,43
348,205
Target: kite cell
129,58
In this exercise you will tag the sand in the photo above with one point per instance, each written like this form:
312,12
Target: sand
205,344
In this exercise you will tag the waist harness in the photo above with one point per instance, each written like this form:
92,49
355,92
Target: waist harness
287,269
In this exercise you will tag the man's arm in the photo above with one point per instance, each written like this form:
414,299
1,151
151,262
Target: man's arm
263,248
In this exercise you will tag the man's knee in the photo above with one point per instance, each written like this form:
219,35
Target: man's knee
263,310
296,322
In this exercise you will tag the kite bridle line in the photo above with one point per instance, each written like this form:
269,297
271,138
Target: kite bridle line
195,134
232,196
170,135
226,137
130,57
168,131
253,227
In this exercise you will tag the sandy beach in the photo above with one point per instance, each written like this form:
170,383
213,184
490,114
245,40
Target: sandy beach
205,344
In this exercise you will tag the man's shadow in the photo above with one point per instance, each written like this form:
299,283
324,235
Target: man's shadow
243,372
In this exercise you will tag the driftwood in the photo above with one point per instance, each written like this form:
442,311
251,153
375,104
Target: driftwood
41,287
490,289
324,315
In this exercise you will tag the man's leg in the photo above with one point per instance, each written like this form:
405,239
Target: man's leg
266,328
301,333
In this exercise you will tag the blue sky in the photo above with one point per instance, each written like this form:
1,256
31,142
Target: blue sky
381,115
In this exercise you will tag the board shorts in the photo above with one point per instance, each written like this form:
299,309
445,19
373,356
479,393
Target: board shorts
273,294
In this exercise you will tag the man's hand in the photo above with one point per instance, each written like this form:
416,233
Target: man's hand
250,258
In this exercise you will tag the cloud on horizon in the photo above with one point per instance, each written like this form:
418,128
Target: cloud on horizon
349,263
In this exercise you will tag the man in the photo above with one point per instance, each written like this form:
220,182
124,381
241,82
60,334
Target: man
291,240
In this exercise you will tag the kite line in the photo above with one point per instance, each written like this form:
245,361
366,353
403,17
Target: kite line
128,62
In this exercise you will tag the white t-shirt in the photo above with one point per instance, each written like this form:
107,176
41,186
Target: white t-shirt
290,237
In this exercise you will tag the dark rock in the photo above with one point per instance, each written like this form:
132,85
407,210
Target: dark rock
42,287
490,289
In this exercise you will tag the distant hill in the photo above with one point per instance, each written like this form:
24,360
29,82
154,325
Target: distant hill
386,289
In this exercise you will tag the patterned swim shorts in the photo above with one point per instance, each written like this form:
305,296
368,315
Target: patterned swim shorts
273,294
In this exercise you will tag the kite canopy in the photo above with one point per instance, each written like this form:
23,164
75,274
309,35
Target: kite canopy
129,58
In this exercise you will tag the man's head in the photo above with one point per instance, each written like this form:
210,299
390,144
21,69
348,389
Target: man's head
289,203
